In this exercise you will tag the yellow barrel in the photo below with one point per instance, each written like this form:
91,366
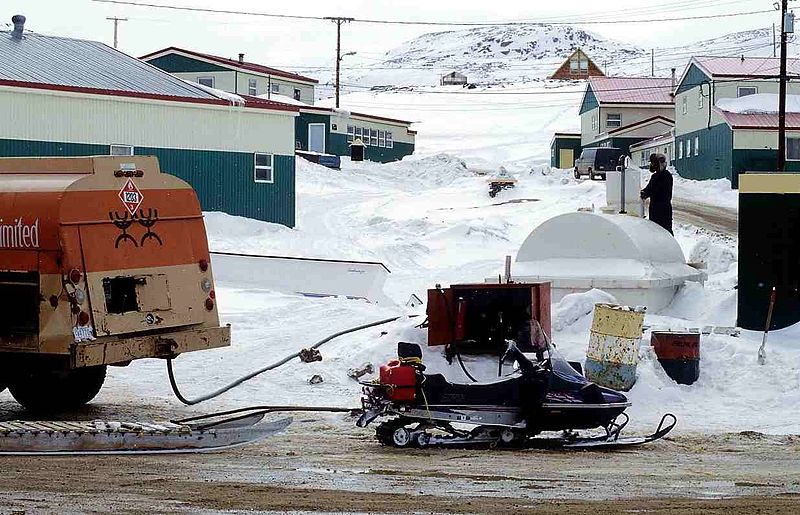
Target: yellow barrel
614,346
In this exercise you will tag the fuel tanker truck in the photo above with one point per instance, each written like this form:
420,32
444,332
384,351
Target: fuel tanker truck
103,260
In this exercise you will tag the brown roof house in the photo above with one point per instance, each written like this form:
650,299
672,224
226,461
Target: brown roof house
577,66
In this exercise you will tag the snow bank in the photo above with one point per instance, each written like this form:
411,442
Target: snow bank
758,103
717,257
575,306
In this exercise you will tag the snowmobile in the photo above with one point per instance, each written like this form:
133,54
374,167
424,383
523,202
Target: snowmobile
422,410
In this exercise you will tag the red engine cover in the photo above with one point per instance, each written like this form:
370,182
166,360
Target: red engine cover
402,379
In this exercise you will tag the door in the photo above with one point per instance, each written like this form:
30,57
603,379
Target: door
566,158
316,137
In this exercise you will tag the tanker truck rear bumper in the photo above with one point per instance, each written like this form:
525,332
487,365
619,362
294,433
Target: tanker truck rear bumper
109,351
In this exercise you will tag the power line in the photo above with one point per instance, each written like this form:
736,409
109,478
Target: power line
429,23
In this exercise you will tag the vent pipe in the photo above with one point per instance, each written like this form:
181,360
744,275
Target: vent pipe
673,82
19,26
241,58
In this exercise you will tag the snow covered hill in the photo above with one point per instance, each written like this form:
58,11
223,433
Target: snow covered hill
523,53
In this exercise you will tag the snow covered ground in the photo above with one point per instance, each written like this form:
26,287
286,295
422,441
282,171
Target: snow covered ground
430,220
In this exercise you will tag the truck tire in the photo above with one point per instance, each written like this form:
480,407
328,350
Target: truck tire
45,389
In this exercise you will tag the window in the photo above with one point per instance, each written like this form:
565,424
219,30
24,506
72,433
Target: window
613,120
275,88
700,98
263,168
743,91
389,140
296,94
121,150
680,150
373,137
206,81
350,133
584,64
696,145
358,133
365,139
793,149
684,106
382,138
573,65
252,87
688,148
594,122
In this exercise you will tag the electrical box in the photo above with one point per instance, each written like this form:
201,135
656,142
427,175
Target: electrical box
481,317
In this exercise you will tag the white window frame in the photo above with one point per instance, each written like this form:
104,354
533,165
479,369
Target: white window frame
788,158
257,167
252,87
389,139
740,88
684,106
357,134
275,88
689,148
583,64
116,146
351,132
373,137
680,149
700,98
613,123
574,65
381,138
207,78
365,136
696,145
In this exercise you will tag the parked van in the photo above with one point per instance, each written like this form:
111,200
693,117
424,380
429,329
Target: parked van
595,161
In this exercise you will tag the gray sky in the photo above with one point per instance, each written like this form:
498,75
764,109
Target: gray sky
290,43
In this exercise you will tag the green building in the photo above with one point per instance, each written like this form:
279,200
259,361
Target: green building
318,129
726,120
565,147
70,97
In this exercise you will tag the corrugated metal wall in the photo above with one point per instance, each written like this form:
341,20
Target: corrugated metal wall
714,157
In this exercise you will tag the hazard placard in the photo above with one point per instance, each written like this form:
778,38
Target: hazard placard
131,197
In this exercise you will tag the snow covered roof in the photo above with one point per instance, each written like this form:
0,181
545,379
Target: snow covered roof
632,90
79,63
232,63
715,66
759,111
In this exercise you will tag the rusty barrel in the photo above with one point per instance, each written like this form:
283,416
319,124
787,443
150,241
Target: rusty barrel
614,346
679,354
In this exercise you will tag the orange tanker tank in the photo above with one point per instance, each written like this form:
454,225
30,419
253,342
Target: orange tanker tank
103,260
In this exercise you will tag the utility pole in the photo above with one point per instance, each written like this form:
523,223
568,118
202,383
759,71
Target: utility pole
338,21
116,26
652,62
787,25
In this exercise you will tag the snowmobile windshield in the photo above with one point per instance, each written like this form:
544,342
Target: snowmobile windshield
563,369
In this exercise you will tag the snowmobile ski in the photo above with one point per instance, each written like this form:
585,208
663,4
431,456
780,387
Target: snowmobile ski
100,437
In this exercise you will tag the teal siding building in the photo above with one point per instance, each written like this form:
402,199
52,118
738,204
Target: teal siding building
239,157
565,147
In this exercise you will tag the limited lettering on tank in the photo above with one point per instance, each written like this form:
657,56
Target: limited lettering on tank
131,197
19,234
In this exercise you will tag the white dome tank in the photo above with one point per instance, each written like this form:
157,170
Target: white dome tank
631,258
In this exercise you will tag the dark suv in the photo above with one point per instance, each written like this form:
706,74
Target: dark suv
595,161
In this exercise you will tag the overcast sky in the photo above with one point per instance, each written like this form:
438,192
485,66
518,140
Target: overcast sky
310,43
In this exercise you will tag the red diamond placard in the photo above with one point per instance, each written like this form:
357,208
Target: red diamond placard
131,197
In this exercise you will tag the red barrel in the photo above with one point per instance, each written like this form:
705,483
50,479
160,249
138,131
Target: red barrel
679,354
401,381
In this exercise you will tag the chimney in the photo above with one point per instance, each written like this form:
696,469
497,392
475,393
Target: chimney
19,25
241,58
673,82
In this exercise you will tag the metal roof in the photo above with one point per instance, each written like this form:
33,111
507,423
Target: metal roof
233,63
767,121
78,63
745,67
632,90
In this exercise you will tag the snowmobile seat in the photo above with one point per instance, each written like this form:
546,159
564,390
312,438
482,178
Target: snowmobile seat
409,350
439,391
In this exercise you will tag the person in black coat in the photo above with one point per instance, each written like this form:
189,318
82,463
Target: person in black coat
659,191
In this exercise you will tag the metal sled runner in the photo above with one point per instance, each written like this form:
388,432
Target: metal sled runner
27,438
